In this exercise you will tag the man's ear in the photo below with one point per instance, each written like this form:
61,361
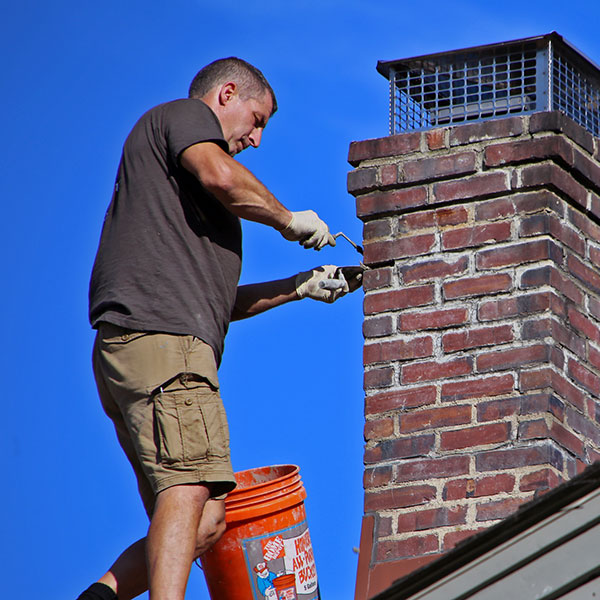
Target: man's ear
227,92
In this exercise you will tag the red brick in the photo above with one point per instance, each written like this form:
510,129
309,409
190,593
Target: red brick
399,497
477,286
393,145
471,187
594,357
492,310
378,327
398,350
584,377
498,509
583,222
536,277
399,400
436,139
382,251
513,458
381,228
478,388
477,338
587,426
432,468
433,269
383,527
498,208
436,319
586,167
377,278
390,201
568,236
458,489
534,201
428,219
398,299
554,177
470,437
541,403
379,429
430,371
589,277
561,284
495,484
377,477
455,537
568,339
436,167
530,430
411,547
379,378
558,122
565,389
536,329
497,409
543,479
566,439
534,225
432,518
593,455
395,449
388,175
517,254
468,237
594,307
516,357
535,379
362,180
530,150
433,418
594,255
477,132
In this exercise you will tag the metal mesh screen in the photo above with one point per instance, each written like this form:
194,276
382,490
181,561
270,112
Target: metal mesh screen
464,87
576,92
520,77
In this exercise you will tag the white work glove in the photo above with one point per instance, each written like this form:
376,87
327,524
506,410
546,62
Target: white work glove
306,228
327,283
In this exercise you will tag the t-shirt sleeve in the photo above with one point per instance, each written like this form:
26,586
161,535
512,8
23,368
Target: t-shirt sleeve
188,122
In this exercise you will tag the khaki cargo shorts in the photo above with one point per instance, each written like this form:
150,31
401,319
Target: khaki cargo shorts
161,392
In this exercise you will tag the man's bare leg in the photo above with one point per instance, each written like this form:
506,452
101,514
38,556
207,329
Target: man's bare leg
171,540
128,576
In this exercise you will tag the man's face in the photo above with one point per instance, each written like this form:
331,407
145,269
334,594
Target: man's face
243,121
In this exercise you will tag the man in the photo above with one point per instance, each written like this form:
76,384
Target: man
163,290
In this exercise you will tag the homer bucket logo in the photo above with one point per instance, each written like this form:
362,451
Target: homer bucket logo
281,565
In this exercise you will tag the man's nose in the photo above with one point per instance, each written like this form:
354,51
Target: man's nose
255,137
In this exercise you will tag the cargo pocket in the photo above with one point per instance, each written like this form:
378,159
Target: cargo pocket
191,426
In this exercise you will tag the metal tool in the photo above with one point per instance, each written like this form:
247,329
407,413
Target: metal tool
358,248
350,276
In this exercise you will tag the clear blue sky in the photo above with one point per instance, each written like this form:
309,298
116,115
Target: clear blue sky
75,77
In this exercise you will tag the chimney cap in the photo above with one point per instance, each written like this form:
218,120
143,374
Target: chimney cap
384,66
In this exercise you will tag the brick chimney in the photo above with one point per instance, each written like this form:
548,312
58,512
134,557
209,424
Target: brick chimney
482,328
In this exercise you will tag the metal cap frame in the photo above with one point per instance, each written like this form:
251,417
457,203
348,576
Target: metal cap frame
523,76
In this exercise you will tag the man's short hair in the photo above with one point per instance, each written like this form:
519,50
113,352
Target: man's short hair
251,82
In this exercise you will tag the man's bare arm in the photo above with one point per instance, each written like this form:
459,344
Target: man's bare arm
255,298
234,185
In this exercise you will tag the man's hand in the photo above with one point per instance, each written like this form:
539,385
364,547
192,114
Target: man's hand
327,283
306,228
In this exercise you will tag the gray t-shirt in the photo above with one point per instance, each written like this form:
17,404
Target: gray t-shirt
170,253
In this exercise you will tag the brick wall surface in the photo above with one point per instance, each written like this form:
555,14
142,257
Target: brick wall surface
482,328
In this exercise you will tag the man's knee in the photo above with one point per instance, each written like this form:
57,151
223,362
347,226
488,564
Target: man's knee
212,526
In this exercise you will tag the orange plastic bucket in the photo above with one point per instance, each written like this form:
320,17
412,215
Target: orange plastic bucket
265,553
